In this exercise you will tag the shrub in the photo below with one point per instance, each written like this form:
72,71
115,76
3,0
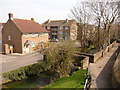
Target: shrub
17,74
60,57
24,72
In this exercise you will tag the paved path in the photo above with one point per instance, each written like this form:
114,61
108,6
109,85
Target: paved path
101,71
11,62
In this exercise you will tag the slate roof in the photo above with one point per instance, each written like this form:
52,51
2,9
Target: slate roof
28,26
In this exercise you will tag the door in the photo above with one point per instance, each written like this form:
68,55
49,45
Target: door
27,48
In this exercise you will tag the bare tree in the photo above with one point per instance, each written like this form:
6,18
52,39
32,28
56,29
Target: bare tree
81,15
101,14
106,14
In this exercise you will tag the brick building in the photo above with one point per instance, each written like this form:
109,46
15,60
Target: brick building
22,36
61,29
1,26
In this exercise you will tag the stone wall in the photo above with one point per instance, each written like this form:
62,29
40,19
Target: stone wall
85,62
116,73
102,52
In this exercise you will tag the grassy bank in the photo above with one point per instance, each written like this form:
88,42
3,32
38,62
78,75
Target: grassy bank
74,81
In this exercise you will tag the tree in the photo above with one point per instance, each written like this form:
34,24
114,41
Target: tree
106,13
59,57
101,14
81,15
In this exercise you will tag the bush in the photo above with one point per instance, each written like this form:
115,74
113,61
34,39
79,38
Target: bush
24,72
17,74
60,57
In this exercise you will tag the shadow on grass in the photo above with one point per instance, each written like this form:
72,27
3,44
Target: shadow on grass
104,78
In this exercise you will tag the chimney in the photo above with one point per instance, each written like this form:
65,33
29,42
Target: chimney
10,16
66,20
48,21
32,19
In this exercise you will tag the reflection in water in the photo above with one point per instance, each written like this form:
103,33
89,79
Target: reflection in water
31,82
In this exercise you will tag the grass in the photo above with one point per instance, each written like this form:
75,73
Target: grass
74,81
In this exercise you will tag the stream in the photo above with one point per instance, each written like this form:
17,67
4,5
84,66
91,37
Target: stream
31,82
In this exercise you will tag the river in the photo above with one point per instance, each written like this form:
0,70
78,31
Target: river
31,82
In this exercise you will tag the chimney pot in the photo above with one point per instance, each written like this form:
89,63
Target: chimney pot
32,19
66,20
48,21
10,16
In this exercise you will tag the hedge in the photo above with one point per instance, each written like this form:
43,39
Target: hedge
24,72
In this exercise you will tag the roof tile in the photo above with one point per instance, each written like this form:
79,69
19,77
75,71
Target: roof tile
29,26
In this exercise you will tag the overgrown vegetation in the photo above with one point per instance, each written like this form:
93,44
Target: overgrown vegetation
60,58
24,72
74,81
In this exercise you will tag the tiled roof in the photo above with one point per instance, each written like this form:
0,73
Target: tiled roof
28,26
58,23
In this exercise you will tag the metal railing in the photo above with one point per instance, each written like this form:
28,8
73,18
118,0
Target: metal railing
88,78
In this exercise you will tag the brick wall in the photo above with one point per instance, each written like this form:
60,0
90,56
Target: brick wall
11,30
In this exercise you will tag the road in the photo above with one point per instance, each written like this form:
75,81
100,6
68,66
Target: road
11,62
101,71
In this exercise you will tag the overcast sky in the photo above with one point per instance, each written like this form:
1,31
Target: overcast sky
40,10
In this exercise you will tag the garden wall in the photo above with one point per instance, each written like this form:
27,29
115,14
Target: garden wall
85,62
102,52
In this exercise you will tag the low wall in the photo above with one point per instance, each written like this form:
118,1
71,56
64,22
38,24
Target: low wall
97,56
102,52
85,62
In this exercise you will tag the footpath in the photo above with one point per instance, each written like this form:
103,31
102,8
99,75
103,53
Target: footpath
101,70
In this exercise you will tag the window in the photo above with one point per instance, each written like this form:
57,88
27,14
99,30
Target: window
66,33
54,36
66,38
48,27
61,32
41,42
41,34
66,28
33,35
61,27
26,35
9,37
60,37
33,44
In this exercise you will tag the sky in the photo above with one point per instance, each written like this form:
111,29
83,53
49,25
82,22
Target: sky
40,10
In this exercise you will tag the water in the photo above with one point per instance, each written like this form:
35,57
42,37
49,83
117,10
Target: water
31,82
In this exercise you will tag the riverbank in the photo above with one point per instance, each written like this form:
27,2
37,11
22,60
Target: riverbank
31,82
76,80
